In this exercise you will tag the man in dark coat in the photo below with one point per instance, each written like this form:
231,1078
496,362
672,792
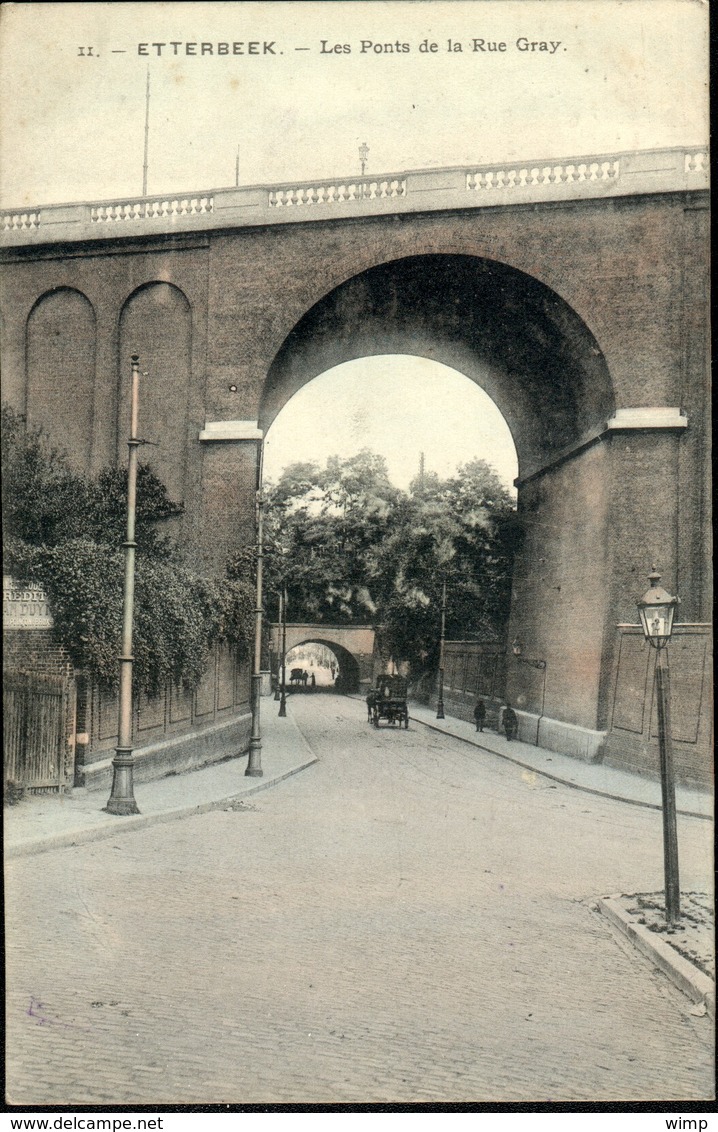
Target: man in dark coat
480,715
511,723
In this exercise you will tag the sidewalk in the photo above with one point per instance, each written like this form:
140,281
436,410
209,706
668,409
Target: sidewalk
594,778
52,821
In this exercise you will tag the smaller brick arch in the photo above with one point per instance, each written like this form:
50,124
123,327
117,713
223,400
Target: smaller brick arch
156,324
60,350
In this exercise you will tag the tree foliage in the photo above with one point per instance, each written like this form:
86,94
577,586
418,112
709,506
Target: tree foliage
65,532
353,548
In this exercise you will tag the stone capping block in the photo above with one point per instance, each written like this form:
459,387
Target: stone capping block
65,214
689,979
240,198
231,430
436,180
647,417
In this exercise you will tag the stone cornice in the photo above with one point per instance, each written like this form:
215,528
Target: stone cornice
231,430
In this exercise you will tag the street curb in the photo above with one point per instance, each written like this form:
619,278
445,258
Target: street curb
689,979
555,777
142,821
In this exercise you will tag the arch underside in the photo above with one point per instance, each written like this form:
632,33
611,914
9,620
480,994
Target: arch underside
350,669
516,338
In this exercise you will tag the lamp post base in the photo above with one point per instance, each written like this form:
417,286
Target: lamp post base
122,797
440,710
254,766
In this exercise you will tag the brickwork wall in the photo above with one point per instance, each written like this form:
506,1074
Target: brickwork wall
61,345
35,650
633,728
223,691
561,589
472,669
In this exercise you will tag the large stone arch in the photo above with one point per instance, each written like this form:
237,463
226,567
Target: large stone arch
503,328
156,324
60,348
542,366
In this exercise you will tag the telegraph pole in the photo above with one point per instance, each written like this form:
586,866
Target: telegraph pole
147,132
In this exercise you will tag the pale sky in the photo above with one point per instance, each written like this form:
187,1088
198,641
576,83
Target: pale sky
625,75
399,407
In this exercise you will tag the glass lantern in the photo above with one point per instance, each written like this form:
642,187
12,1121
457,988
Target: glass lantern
656,609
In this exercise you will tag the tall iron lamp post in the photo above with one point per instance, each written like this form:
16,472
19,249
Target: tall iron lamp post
656,609
254,762
283,677
440,700
122,797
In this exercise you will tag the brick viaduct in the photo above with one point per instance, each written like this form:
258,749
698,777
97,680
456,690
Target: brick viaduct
573,292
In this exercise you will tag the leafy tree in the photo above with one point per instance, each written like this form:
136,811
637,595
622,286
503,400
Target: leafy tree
65,531
354,548
322,525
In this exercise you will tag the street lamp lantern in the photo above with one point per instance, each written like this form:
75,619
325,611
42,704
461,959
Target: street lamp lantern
656,609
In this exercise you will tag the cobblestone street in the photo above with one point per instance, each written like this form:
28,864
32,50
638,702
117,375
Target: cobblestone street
407,920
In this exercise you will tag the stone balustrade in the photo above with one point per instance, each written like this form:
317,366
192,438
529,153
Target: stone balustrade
331,192
144,208
667,170
15,221
524,176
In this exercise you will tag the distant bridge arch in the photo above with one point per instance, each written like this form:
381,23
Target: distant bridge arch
353,647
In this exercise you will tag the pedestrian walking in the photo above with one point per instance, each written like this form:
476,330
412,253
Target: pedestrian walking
313,682
480,715
511,723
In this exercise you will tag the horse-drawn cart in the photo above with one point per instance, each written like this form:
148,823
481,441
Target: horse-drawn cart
388,701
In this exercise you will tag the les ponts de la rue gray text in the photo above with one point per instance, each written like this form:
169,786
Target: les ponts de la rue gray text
478,45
